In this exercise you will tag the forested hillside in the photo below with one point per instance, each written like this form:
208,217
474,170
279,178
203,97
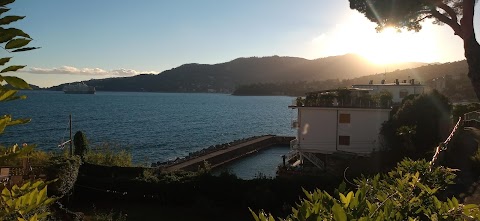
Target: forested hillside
457,86
226,77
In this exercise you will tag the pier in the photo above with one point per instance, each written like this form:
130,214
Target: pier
225,155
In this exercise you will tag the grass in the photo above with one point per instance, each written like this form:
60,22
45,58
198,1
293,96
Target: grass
108,154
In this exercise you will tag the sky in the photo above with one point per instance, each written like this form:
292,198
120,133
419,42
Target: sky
82,40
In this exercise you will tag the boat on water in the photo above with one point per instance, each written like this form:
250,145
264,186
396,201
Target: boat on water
79,88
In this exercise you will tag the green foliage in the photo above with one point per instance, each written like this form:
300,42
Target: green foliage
65,170
408,192
109,155
28,202
476,161
384,98
428,114
460,109
110,216
81,144
407,13
34,157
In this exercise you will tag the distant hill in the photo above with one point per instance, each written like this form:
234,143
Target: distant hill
456,87
225,77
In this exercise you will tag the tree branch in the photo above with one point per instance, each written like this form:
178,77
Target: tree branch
449,10
427,16
454,25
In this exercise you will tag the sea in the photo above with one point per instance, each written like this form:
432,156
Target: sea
154,127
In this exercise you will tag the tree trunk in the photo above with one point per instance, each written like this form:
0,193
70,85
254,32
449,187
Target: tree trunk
472,54
471,46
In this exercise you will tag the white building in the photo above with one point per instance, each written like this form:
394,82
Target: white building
328,126
399,90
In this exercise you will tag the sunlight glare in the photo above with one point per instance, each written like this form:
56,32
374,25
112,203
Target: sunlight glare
390,46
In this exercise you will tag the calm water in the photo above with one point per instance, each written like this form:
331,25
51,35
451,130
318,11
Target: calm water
263,163
154,126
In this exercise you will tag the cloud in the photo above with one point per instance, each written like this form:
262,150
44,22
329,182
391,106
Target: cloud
68,70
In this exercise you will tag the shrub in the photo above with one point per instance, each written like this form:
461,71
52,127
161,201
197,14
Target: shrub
476,161
81,144
65,169
108,155
406,193
429,114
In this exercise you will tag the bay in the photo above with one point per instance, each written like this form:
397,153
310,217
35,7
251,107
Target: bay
152,126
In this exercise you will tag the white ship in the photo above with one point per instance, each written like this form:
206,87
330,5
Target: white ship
79,88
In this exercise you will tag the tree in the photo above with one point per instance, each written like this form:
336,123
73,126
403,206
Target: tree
457,14
428,113
80,142
30,201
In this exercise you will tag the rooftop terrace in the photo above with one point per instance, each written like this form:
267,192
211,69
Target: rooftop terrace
345,98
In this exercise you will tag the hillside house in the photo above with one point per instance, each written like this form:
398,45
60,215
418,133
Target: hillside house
338,121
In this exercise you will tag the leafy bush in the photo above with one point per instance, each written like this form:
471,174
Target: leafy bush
408,192
34,157
460,109
429,114
65,169
109,155
110,216
28,202
476,161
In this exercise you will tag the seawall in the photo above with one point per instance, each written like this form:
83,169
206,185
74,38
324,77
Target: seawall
222,156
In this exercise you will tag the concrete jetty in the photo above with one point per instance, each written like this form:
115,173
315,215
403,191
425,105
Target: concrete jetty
225,155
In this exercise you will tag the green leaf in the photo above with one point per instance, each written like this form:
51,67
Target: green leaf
17,43
339,213
3,122
42,195
6,2
4,95
25,49
18,121
3,61
9,19
254,214
16,82
12,68
3,10
4,37
10,33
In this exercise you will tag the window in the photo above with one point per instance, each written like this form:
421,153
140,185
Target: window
403,93
344,140
344,118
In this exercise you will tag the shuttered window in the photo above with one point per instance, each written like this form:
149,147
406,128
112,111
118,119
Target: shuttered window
344,140
344,119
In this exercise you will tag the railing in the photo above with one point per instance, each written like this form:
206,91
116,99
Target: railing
313,159
473,116
294,144
291,155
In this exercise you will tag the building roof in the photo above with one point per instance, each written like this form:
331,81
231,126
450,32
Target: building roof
389,84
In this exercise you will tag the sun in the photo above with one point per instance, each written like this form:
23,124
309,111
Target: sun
391,46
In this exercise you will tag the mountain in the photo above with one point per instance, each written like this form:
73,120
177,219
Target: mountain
225,77
450,78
